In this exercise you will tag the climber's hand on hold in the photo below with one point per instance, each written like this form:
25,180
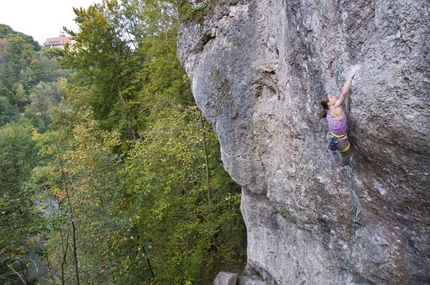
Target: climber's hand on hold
345,87
354,70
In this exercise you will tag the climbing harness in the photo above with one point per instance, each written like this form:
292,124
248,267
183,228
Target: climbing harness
334,141
355,211
339,136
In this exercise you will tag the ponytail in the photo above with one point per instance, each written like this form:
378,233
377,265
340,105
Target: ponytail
323,113
324,104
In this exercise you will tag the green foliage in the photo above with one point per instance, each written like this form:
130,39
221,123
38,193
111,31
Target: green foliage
43,97
21,74
192,12
81,179
21,53
18,155
187,213
6,31
34,116
107,65
24,72
128,186
20,227
8,112
197,12
19,223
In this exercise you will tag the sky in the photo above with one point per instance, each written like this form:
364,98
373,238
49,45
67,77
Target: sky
41,19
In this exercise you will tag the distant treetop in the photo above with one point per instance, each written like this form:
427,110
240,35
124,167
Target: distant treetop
6,30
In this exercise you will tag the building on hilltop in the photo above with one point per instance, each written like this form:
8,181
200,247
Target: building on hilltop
58,42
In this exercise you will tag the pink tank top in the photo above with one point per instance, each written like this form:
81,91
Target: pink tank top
337,127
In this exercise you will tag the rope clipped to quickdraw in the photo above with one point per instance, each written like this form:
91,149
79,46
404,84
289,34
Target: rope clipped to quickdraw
356,211
337,74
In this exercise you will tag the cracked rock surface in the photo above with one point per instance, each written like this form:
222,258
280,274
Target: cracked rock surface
258,70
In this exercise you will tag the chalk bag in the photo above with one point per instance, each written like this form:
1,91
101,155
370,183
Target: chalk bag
333,143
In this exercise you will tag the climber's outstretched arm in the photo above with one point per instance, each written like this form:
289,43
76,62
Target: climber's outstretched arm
346,86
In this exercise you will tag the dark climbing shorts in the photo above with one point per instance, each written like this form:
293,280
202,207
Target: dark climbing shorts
344,149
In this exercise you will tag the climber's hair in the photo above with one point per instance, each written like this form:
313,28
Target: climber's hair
324,104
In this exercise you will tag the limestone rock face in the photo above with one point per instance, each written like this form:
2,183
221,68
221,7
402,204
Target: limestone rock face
258,70
225,278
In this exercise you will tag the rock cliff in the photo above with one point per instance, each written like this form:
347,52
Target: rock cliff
258,70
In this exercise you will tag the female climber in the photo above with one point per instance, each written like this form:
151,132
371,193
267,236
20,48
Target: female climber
336,118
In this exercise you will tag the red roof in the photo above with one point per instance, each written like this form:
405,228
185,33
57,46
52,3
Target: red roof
57,41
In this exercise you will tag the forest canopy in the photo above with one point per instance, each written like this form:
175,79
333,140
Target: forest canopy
110,173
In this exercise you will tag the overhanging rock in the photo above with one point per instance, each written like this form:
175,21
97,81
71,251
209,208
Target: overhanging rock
258,70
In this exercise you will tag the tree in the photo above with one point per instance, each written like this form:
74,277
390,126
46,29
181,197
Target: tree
18,154
20,246
88,229
132,186
20,224
43,97
6,30
107,65
21,96
20,67
8,113
21,53
187,206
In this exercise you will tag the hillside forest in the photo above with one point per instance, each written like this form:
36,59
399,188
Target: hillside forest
109,172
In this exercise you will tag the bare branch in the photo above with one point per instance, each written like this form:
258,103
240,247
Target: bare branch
16,272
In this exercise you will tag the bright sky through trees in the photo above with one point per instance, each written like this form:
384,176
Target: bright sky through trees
41,19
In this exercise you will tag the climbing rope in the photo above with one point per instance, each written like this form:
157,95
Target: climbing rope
337,75
355,211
